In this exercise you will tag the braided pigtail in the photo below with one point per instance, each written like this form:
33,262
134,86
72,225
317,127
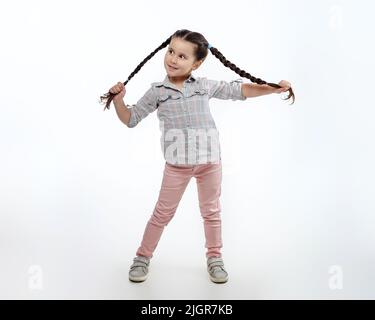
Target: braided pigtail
244,74
108,97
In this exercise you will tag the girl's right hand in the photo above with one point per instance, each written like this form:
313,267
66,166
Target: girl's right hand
119,91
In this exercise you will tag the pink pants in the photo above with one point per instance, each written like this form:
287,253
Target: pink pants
175,181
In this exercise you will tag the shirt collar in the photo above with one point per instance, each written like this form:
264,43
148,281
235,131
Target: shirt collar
167,83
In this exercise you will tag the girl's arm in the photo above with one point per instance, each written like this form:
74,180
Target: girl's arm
122,111
251,90
132,116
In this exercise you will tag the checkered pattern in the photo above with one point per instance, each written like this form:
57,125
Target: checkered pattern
189,134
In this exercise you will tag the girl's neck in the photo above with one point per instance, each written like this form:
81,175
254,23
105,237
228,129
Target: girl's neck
179,80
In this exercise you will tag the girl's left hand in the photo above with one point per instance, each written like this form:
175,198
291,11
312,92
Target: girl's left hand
285,86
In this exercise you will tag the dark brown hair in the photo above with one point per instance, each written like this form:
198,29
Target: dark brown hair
201,51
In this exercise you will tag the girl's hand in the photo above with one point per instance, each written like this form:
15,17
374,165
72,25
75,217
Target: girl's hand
119,91
285,86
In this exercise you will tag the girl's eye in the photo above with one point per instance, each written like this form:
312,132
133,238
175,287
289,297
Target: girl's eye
170,50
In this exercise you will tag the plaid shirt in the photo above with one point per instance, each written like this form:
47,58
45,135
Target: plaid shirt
189,134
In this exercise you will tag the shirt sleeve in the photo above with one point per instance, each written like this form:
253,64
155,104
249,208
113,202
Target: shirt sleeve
225,90
144,106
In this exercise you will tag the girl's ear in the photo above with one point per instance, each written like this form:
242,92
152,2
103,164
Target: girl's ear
197,64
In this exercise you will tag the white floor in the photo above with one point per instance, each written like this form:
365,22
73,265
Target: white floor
82,249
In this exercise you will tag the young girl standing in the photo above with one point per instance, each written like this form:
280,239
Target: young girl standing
182,103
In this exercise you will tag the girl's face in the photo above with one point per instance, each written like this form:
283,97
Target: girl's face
179,59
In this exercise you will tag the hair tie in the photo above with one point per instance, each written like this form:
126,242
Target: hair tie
209,46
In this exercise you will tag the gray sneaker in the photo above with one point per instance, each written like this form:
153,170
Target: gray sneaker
215,268
139,269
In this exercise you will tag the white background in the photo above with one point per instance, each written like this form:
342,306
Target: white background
77,186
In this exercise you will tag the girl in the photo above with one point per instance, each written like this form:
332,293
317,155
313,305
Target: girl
182,101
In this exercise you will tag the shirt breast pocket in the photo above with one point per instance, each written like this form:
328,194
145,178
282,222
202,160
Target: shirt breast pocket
169,104
168,98
199,92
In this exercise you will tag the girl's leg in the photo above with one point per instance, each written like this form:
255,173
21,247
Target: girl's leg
175,181
209,177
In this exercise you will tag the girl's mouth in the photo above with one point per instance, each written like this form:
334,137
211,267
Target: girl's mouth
172,68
